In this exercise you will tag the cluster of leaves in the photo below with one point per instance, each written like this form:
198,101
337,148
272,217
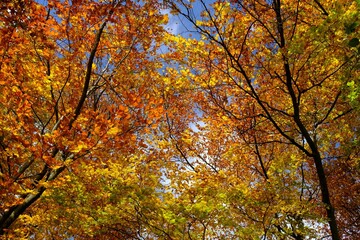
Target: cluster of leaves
112,127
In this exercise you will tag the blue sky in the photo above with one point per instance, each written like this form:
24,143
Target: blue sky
179,25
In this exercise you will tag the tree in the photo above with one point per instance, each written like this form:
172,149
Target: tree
76,88
272,75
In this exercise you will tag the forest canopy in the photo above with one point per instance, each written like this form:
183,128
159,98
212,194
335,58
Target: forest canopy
179,119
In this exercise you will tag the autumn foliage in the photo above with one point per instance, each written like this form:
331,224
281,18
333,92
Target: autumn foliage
243,126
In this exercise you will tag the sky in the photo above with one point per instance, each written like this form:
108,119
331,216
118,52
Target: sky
178,24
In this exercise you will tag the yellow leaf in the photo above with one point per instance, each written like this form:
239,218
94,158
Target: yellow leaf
79,147
113,131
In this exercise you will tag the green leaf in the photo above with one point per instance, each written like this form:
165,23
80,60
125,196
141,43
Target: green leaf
354,42
351,27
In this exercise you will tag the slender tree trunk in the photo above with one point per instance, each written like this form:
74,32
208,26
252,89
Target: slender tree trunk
330,211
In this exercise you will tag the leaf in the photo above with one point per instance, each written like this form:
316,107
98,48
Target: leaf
113,131
354,42
80,147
